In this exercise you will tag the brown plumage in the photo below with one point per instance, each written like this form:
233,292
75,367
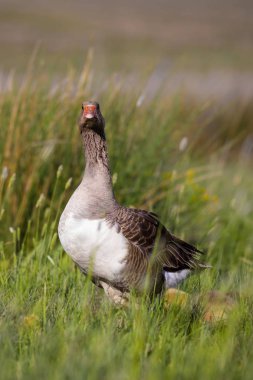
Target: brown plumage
150,243
146,256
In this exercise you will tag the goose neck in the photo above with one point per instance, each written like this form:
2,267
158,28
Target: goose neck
97,173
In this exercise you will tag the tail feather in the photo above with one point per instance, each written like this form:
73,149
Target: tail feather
181,255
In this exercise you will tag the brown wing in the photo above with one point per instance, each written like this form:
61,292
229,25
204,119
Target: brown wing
138,226
180,255
144,231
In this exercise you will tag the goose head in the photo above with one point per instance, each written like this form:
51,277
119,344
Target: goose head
91,118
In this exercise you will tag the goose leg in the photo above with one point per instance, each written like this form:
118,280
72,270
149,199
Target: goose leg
115,295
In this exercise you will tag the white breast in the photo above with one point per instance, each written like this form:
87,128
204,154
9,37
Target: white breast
94,245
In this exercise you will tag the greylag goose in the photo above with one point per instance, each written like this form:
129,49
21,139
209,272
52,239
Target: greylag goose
121,248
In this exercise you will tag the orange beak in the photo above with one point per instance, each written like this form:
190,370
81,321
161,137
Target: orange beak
89,111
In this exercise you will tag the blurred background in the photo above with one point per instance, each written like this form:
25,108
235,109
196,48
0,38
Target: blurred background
175,84
204,48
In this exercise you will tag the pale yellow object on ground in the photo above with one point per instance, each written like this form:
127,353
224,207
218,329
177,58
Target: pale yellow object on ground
216,304
175,296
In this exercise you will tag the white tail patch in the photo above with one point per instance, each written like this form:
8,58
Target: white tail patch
173,279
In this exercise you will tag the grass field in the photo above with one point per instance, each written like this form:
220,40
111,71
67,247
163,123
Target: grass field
189,162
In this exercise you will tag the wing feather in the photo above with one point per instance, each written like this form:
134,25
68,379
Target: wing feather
144,232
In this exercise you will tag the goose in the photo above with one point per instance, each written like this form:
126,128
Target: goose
121,248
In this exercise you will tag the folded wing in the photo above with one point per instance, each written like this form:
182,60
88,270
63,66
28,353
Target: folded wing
147,236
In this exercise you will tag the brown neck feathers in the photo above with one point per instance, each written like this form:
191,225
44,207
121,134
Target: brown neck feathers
96,156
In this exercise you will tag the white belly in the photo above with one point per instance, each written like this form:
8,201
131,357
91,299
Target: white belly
94,245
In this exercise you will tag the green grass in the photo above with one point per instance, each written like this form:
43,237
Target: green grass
54,323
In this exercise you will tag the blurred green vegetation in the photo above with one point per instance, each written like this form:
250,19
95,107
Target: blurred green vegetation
174,81
191,162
